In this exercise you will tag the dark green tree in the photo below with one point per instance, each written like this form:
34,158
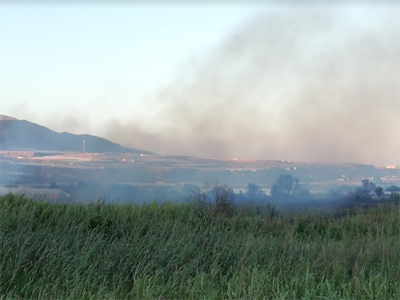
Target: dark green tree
379,192
367,187
285,185
254,192
393,189
366,191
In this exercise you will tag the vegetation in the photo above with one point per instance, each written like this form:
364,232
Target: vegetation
285,185
198,250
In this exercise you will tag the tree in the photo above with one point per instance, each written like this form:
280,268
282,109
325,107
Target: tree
393,189
366,191
254,192
285,185
379,192
367,187
216,198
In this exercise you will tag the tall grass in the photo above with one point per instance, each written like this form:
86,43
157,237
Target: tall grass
184,251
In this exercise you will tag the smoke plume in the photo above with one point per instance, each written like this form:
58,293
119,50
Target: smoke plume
304,84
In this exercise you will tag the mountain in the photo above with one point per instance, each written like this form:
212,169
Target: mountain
6,118
23,135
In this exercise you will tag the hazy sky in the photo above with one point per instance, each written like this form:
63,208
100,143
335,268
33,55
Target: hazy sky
294,82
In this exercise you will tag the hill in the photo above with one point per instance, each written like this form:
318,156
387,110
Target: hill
5,118
21,134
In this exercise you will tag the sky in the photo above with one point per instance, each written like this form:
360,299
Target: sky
259,80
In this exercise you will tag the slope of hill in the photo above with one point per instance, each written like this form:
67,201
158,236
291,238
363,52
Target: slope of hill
21,134
6,118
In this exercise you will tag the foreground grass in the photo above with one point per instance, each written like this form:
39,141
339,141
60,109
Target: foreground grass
178,251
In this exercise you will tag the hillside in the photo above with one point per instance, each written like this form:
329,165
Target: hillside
6,118
21,134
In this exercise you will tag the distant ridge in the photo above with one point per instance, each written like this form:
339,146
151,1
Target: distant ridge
24,135
7,118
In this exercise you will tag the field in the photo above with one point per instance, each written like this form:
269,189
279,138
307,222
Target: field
188,251
40,168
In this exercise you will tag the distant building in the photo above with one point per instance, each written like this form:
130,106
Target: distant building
390,167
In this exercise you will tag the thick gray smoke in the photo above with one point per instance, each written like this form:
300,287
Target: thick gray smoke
304,84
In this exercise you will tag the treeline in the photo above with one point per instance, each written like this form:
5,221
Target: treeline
286,191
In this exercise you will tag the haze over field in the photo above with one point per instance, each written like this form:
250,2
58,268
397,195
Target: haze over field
300,82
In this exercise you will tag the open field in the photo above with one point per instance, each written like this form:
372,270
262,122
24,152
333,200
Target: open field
183,251
29,167
137,178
